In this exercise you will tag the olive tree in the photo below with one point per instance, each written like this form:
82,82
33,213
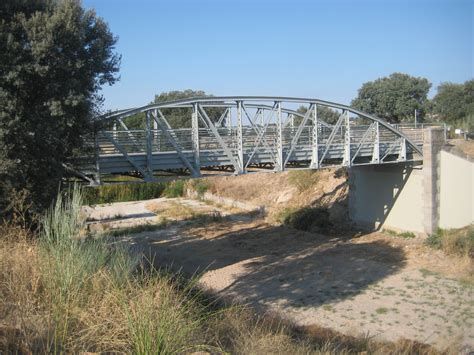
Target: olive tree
54,58
394,98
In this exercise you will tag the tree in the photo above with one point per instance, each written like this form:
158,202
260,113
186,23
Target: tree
176,117
394,98
454,103
54,58
325,114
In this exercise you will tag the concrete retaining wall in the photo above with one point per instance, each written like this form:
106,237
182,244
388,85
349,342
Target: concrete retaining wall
456,185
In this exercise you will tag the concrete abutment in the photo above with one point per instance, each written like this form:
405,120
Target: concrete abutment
414,198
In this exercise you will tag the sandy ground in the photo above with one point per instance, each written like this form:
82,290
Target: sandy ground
386,286
466,146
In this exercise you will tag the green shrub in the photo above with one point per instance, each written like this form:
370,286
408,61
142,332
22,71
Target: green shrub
453,241
406,235
174,189
434,240
303,179
307,218
200,186
123,192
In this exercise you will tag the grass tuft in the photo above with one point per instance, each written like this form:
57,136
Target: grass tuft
458,242
406,235
303,179
174,189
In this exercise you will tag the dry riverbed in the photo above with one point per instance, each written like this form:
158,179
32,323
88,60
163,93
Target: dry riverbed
355,283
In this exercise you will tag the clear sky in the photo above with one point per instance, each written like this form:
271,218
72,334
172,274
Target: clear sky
319,49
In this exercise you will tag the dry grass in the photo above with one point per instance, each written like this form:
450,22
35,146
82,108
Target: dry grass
68,294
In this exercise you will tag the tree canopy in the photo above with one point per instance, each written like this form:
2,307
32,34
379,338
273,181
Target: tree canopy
54,58
394,98
454,103
325,114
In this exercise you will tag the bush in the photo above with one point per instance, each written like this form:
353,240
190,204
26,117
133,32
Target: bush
434,240
307,218
303,179
123,192
174,189
454,241
200,186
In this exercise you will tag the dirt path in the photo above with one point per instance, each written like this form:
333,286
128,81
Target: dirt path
385,286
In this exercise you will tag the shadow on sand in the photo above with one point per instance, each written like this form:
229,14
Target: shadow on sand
259,263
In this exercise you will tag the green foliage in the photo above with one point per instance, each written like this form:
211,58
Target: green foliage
200,186
174,189
306,218
454,103
54,58
453,241
324,113
434,240
123,192
303,179
406,235
153,315
394,98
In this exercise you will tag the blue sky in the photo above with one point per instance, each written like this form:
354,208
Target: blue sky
319,49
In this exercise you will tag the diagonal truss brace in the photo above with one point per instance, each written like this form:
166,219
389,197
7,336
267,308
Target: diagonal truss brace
331,137
297,135
391,148
206,120
145,174
164,126
365,137
260,134
129,134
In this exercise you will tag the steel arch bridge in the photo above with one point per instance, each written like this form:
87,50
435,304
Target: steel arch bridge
248,131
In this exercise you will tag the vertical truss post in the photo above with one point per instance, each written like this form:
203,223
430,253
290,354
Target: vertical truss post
347,141
155,135
376,151
114,128
228,121
195,139
240,144
314,146
149,146
402,155
97,156
280,164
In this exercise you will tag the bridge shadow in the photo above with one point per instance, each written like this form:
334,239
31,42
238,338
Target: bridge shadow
262,264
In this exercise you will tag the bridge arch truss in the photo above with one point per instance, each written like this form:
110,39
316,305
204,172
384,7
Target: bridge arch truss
249,131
